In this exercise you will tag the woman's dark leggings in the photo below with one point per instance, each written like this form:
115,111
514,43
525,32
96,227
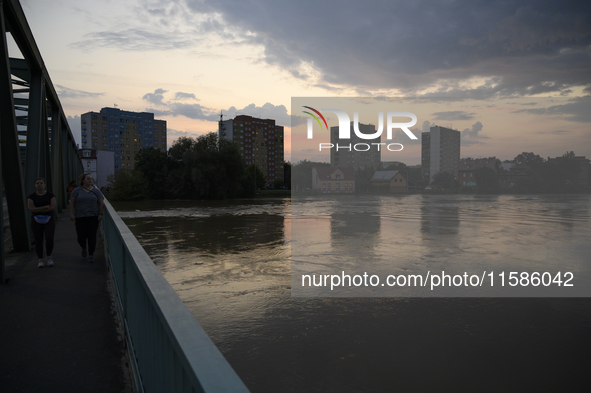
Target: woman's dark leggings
41,230
86,228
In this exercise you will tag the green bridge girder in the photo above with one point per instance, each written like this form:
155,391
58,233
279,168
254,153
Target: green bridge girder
35,138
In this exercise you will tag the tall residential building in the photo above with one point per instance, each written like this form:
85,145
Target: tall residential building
356,152
440,151
122,132
260,142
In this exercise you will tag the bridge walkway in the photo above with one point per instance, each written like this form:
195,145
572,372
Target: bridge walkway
58,327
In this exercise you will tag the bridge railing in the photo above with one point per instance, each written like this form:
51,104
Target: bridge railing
172,353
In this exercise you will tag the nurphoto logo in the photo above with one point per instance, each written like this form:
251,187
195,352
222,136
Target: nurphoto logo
345,129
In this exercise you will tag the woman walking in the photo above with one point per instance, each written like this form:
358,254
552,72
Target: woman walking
42,204
86,209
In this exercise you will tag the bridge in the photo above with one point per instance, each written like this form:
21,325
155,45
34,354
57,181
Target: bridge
167,349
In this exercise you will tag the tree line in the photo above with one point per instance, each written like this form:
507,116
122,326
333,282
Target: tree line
193,168
531,174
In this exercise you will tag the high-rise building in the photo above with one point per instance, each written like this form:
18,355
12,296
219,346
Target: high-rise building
122,132
440,151
356,152
260,142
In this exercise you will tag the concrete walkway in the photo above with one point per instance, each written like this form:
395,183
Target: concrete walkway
58,331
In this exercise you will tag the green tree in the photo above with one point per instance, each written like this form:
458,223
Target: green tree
152,163
560,174
529,160
446,181
216,168
362,178
301,174
254,172
127,185
180,147
287,174
487,180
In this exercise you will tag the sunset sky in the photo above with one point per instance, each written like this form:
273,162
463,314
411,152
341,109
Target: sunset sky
512,76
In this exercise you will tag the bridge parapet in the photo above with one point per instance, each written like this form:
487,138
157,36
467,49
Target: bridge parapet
172,353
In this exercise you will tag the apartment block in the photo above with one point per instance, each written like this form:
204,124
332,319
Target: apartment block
260,142
355,152
123,133
440,151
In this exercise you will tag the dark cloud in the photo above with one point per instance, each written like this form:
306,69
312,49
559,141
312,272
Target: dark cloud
516,48
519,47
453,115
577,110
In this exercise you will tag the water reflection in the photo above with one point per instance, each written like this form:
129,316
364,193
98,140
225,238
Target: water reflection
440,218
231,266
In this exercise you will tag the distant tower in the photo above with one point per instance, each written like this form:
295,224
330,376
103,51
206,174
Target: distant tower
222,126
440,151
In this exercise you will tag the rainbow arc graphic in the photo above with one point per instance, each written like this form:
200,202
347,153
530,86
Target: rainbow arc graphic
316,117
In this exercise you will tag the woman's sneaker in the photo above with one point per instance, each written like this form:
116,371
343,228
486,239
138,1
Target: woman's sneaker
90,259
41,263
49,262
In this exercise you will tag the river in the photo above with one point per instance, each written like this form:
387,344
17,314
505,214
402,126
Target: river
229,261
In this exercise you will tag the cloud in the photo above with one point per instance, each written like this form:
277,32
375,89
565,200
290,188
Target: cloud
175,108
517,48
172,133
156,97
66,92
199,112
465,142
267,111
473,132
577,110
191,111
427,126
135,39
557,132
457,50
453,115
184,96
